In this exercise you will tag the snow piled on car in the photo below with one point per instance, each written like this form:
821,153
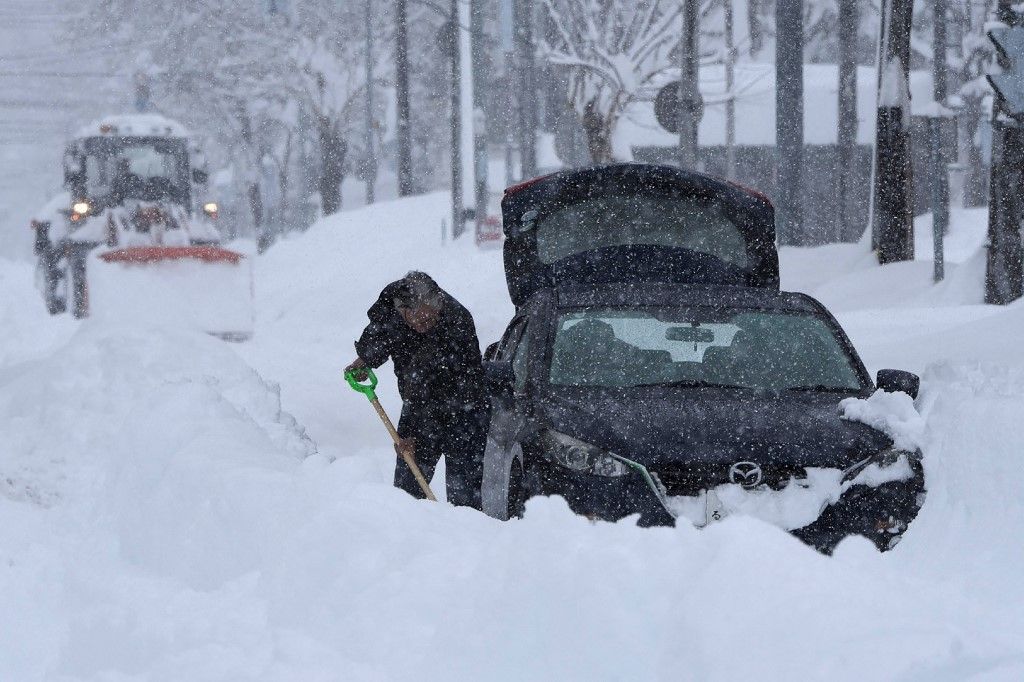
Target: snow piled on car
187,527
893,414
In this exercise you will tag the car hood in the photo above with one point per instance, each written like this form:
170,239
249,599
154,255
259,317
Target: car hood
665,426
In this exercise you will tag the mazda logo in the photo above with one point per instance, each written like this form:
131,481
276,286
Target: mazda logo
746,474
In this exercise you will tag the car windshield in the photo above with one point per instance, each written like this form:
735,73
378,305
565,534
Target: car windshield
689,222
740,348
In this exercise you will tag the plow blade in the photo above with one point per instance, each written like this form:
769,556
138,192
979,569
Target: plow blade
207,288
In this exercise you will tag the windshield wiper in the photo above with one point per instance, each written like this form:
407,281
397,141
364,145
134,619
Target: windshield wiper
824,389
690,383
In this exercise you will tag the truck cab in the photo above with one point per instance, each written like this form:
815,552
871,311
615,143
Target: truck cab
131,181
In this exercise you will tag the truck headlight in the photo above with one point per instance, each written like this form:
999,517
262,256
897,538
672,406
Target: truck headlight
81,208
210,209
574,454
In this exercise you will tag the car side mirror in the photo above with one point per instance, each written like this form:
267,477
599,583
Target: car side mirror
491,352
893,380
499,377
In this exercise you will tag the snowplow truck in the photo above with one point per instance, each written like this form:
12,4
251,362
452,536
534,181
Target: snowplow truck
136,219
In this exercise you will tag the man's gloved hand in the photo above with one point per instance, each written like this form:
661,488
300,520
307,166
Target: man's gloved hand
406,445
358,365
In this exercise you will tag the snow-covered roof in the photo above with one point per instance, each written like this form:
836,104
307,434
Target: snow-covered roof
755,106
135,124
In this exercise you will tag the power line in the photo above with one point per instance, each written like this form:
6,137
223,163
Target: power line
59,74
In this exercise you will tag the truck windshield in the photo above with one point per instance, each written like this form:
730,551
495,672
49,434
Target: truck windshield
139,168
740,348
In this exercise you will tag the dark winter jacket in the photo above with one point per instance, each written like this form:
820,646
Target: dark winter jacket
441,367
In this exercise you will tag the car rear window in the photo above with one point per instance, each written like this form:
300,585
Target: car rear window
757,349
697,223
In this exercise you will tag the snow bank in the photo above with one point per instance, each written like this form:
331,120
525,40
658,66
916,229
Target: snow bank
137,466
27,331
183,528
139,394
854,280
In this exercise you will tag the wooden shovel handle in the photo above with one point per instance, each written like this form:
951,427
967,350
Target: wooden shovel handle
409,460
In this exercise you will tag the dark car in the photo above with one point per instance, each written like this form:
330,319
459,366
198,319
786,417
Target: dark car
682,401
653,368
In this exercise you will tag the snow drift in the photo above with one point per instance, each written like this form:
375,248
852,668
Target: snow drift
164,518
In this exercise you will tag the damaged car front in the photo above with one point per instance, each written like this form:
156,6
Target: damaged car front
684,404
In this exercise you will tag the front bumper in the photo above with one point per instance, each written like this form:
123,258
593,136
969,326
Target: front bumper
879,511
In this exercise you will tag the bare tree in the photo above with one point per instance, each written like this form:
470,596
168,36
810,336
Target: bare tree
253,78
329,79
611,48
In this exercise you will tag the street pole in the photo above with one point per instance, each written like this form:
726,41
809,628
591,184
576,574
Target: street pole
892,191
523,35
846,135
689,87
455,129
1004,267
730,102
403,133
371,155
940,176
789,118
478,60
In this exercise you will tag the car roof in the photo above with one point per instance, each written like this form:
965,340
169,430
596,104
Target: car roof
656,294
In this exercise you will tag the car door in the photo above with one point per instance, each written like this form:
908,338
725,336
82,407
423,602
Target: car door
508,415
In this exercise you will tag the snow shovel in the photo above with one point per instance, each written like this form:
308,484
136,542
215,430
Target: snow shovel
367,389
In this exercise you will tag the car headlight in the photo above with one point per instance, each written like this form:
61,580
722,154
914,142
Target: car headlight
574,454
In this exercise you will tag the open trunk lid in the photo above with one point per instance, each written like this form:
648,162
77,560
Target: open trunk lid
636,223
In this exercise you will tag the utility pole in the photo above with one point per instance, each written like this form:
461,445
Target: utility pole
892,193
1004,272
371,154
508,45
730,86
403,133
937,154
522,12
789,118
455,119
846,136
689,87
480,79
143,99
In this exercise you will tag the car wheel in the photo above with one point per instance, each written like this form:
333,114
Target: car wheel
516,491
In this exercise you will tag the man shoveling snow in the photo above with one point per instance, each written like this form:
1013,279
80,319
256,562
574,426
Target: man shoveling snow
445,412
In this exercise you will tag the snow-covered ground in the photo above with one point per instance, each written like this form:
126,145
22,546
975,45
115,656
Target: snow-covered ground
173,507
